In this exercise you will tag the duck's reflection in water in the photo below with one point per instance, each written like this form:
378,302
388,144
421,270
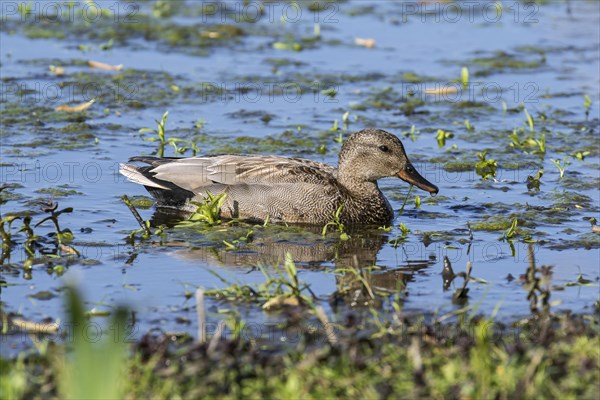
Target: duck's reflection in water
354,258
269,245
368,286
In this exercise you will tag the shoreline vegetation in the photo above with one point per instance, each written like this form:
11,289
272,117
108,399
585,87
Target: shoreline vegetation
545,355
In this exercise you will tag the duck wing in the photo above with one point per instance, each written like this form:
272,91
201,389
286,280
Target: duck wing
196,174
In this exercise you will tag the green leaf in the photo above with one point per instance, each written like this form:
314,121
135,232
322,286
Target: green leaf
464,77
529,120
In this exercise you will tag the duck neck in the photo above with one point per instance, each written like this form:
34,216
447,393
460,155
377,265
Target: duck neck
359,188
365,203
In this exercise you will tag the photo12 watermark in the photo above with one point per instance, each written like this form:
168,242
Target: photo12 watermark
69,172
63,12
473,12
52,93
271,12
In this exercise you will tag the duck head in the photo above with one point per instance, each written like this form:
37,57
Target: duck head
372,154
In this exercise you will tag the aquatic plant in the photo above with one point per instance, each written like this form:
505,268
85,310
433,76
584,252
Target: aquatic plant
30,241
412,133
529,141
289,45
515,141
281,289
537,283
512,231
247,238
404,231
5,233
529,119
293,283
164,9
410,104
461,294
317,30
486,168
534,182
63,236
464,77
587,105
160,132
334,128
442,136
581,155
336,224
470,128
562,165
144,225
331,92
357,274
346,120
541,143
209,209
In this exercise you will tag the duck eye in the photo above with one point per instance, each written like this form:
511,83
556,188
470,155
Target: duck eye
384,148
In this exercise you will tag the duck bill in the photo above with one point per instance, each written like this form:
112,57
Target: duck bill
411,176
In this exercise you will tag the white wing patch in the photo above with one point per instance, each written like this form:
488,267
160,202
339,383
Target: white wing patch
133,175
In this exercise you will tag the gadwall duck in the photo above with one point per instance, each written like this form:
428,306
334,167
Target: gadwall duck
283,189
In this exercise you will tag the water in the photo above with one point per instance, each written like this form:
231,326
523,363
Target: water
561,48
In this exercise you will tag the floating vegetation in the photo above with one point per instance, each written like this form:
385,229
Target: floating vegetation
486,168
502,60
442,136
534,181
528,142
293,46
492,224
